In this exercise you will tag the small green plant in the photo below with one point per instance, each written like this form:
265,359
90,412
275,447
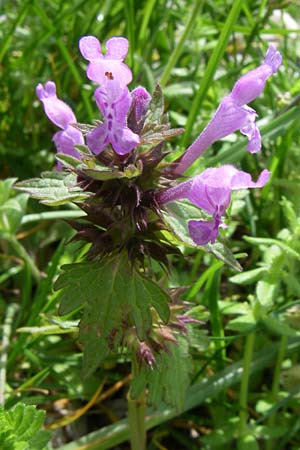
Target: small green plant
20,428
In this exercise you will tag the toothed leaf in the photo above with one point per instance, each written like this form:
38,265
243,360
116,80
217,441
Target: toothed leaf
54,188
115,297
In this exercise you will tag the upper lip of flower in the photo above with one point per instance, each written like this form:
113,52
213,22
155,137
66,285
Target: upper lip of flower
111,63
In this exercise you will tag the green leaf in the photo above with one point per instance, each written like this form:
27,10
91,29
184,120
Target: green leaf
6,188
291,378
197,394
170,379
269,241
248,442
178,214
220,251
242,324
103,173
68,161
265,292
115,297
156,107
156,127
139,383
248,277
54,188
211,67
277,326
159,133
20,428
269,432
223,436
12,212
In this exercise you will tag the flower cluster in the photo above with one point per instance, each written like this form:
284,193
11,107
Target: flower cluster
114,171
135,185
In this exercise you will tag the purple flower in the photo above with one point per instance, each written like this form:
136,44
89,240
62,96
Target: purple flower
109,65
114,103
211,191
61,115
140,101
233,113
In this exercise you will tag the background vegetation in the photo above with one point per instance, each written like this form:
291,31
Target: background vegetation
244,391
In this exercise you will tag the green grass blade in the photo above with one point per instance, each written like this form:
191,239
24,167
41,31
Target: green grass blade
178,49
129,13
146,17
212,67
67,57
212,297
8,38
22,253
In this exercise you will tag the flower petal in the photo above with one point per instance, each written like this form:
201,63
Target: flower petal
56,110
141,99
116,48
109,94
64,143
251,85
108,66
273,58
99,69
98,139
90,48
202,232
243,180
228,118
211,190
250,130
124,140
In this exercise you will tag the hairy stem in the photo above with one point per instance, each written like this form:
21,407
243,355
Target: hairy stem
137,415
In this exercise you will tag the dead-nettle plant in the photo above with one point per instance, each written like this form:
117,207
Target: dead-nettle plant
115,171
